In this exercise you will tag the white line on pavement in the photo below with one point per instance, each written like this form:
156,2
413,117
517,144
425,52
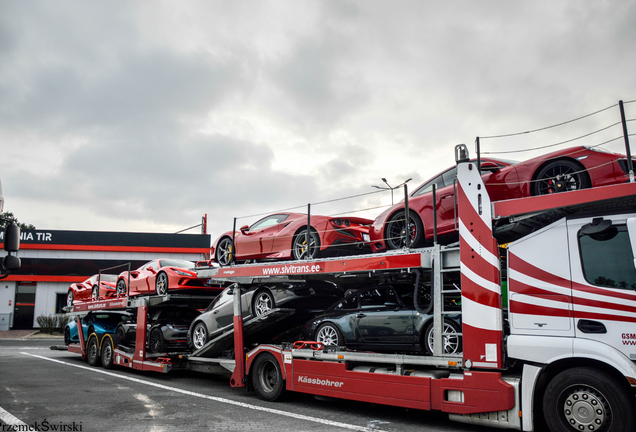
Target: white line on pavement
214,398
9,419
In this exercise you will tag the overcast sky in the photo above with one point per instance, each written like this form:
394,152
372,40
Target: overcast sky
144,116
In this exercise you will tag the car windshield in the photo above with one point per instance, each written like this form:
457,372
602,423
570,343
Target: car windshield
269,221
225,296
176,263
110,318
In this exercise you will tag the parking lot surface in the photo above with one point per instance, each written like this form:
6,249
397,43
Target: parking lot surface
57,390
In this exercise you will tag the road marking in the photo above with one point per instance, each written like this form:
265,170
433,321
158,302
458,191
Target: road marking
214,398
9,419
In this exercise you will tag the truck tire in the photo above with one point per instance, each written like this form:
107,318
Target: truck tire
92,351
583,398
107,353
267,378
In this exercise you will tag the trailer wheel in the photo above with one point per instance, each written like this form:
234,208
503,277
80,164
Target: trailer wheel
92,351
267,377
107,353
156,344
583,398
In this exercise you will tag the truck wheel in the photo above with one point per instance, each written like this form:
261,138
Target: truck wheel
92,352
107,353
267,378
583,398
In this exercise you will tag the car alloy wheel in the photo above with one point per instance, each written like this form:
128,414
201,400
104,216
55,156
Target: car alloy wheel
399,236
300,250
199,335
263,303
95,292
69,299
161,284
121,287
560,176
225,252
328,335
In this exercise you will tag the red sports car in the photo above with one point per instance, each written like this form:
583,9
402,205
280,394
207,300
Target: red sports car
564,170
283,235
161,276
89,289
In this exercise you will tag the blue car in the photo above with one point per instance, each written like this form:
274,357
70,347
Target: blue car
100,323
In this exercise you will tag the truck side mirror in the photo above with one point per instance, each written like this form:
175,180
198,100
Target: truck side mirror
12,238
597,226
11,262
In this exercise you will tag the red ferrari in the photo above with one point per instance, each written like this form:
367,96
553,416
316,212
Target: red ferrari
283,235
161,276
89,289
564,170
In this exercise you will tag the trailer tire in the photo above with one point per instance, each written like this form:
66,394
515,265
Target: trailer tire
267,378
92,351
597,399
107,353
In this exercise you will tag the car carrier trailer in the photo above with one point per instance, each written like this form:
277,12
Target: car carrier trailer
559,349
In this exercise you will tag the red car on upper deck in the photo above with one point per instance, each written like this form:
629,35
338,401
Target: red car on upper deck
283,235
91,289
564,170
161,276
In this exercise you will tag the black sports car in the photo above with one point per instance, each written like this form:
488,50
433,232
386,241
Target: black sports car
308,298
167,329
381,318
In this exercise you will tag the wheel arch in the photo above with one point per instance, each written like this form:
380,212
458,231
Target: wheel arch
260,351
550,371
536,172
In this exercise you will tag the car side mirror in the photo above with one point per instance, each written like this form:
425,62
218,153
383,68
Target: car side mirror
244,228
489,167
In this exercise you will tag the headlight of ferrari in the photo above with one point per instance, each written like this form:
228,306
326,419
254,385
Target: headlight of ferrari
182,273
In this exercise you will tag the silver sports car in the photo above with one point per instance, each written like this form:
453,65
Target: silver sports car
308,298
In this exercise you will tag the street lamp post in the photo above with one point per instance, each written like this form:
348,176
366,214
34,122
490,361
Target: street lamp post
391,188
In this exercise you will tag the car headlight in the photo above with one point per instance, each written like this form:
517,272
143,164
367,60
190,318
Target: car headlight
182,273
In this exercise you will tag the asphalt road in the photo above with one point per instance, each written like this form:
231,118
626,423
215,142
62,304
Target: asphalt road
57,390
